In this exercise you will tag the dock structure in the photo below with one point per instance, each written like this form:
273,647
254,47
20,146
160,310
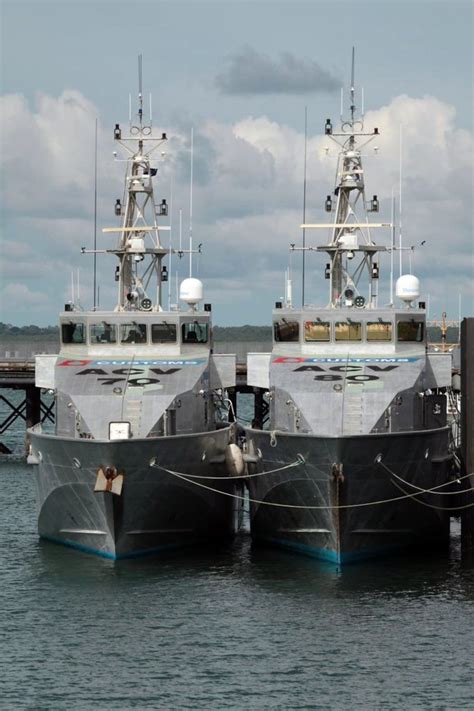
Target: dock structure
20,375
467,435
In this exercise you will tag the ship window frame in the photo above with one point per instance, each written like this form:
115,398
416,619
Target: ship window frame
320,323
186,331
349,323
169,326
419,336
93,338
378,323
277,332
65,324
135,325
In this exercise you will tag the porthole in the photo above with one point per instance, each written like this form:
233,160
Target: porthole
76,463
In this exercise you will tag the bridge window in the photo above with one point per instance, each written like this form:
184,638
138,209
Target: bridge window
410,330
73,333
286,331
317,331
133,332
103,333
163,332
379,331
348,331
195,332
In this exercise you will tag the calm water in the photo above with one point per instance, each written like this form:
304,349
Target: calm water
232,628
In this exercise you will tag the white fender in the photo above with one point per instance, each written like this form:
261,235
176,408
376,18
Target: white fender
234,460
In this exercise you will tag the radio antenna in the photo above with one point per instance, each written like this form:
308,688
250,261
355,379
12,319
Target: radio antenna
140,92
95,220
400,205
304,201
352,85
191,207
392,250
171,240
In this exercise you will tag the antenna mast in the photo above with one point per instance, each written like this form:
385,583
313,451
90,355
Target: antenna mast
400,205
352,86
140,90
304,201
95,219
191,207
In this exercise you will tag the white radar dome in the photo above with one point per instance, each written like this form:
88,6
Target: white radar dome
190,291
408,288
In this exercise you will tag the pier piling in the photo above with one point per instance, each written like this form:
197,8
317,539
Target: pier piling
33,411
467,434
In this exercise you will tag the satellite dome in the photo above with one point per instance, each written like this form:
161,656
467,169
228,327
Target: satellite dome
408,288
190,291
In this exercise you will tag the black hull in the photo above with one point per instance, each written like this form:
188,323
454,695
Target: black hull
156,510
345,529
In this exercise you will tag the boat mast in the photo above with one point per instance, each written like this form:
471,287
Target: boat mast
350,231
139,248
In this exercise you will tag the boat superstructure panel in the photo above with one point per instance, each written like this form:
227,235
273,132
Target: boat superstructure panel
350,371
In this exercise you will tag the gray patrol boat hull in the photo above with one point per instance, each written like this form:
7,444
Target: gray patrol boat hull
348,526
155,511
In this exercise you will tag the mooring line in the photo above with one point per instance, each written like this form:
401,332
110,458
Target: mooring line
294,506
300,460
432,506
434,489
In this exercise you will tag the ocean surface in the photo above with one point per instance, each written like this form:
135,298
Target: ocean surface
231,627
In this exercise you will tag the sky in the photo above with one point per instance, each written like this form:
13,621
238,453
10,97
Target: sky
241,74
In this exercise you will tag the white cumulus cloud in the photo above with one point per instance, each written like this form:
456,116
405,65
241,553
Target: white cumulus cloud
247,199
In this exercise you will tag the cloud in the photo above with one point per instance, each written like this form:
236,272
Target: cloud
250,72
247,204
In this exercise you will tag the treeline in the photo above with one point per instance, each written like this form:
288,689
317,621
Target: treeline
222,334
244,334
32,331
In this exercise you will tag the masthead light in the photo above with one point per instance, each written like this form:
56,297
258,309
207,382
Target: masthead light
163,208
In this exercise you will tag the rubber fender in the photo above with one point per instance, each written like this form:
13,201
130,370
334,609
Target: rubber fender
234,460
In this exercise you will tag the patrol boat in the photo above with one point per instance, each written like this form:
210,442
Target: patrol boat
139,397
357,450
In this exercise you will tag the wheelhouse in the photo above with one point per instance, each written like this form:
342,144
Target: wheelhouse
348,328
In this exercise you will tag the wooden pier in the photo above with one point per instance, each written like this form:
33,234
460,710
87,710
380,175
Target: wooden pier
20,375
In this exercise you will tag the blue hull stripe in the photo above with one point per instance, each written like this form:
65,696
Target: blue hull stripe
113,556
329,555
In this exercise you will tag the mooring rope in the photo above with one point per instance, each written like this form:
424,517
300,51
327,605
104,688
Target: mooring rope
432,506
434,489
298,461
296,506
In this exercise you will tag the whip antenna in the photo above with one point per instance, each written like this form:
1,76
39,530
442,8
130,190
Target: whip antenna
304,201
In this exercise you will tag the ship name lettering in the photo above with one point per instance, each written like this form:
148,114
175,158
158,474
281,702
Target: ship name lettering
92,371
111,381
359,378
160,371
